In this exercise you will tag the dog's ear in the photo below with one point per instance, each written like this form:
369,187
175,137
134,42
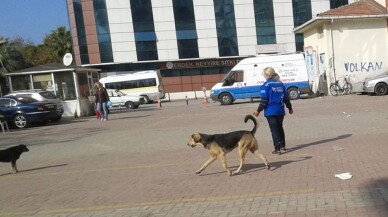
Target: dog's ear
196,137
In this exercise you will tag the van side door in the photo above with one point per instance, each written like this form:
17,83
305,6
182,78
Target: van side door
253,80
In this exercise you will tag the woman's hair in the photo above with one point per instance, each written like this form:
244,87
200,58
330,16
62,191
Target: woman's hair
98,84
271,73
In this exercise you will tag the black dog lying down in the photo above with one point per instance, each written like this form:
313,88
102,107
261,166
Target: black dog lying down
12,155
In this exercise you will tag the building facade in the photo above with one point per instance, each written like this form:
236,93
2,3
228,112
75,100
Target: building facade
348,42
192,42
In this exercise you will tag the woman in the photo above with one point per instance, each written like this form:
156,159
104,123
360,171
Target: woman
273,97
101,100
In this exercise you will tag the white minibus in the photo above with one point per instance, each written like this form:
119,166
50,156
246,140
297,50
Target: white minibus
143,83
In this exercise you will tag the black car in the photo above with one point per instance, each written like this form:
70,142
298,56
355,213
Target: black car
21,111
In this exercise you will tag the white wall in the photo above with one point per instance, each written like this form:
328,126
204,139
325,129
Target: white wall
121,31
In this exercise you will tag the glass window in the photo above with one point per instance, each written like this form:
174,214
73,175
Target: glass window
184,15
190,72
81,33
337,3
65,86
20,82
83,85
43,81
142,16
188,49
146,50
226,27
265,22
302,14
103,32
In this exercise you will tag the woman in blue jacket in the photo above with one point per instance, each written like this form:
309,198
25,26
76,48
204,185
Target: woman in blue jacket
273,97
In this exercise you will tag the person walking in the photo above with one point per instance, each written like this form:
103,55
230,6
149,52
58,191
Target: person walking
273,97
101,101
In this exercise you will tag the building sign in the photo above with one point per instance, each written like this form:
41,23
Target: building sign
210,63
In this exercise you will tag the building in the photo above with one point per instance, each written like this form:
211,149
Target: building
73,84
350,41
192,42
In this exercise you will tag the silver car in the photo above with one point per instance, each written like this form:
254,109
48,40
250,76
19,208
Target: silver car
377,85
42,95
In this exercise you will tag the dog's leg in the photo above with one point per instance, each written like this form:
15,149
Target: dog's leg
207,163
14,167
242,153
257,153
223,161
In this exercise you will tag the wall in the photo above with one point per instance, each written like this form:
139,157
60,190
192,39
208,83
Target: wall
361,48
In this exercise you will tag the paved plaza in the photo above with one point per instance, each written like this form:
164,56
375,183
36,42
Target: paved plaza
137,164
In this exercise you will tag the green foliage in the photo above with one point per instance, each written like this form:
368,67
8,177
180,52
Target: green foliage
18,54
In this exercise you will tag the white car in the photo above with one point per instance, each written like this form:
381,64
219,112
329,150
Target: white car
119,98
377,85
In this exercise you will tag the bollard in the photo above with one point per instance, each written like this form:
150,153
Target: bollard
205,101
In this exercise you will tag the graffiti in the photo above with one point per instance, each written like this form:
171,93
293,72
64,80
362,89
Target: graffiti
363,66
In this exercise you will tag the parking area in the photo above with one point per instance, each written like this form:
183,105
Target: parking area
138,163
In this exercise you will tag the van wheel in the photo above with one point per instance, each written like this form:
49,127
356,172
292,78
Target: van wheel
226,99
293,93
381,89
130,105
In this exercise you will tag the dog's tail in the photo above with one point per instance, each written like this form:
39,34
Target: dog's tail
250,117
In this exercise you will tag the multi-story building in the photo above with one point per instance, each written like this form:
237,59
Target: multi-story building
192,42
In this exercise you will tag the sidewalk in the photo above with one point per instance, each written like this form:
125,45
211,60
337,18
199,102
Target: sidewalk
138,163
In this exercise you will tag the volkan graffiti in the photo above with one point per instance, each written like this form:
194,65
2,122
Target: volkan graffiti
363,66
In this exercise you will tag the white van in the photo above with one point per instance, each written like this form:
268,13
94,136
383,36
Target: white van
245,79
147,84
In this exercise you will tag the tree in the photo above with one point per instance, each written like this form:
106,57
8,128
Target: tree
10,60
59,42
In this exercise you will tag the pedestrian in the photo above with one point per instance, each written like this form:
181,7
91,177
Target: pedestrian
101,101
273,97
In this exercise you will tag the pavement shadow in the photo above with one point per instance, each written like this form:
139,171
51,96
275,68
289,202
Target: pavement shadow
378,190
250,168
316,143
38,168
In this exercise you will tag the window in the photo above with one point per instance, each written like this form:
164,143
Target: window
226,28
265,22
20,82
302,14
79,20
185,29
65,86
103,32
337,3
188,48
149,82
143,25
43,81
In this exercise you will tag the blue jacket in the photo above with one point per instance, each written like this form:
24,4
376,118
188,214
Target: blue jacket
273,97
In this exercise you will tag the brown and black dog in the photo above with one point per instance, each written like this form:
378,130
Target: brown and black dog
12,155
220,144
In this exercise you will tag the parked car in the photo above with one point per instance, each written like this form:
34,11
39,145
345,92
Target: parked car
119,98
21,111
377,85
42,95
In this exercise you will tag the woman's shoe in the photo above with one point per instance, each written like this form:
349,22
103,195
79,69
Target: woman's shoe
277,152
